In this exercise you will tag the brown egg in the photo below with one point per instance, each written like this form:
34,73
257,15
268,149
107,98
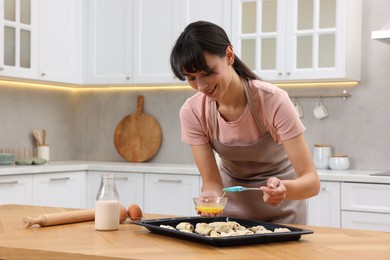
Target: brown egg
122,213
134,212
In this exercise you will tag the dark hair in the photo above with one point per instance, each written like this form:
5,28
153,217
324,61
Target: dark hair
196,39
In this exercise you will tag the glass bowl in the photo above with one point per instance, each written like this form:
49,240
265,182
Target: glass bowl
210,205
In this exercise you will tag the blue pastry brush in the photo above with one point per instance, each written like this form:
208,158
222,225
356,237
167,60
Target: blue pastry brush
239,189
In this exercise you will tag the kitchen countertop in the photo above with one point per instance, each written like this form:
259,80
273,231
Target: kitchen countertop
65,166
81,241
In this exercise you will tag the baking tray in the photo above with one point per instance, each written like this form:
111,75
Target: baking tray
153,225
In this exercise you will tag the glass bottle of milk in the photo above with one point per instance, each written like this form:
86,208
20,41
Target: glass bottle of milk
107,204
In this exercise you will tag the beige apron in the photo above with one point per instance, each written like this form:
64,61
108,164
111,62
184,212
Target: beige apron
250,166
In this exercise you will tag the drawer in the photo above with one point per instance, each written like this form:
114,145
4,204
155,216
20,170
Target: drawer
16,189
365,197
64,189
365,220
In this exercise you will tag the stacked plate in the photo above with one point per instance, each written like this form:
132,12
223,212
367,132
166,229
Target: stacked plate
7,158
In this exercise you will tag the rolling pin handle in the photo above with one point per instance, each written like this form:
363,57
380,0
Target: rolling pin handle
29,221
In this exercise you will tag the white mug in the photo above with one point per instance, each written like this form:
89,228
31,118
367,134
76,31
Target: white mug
320,111
298,109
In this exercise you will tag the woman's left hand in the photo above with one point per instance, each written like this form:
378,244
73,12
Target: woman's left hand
274,192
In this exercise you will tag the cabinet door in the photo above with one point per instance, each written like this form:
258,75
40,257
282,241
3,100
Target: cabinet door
65,189
366,197
171,194
258,35
215,11
16,189
19,38
110,41
324,209
299,39
60,40
130,187
157,25
365,220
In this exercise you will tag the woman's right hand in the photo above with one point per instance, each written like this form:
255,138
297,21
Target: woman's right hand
210,194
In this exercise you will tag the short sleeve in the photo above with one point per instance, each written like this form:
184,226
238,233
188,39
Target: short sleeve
193,123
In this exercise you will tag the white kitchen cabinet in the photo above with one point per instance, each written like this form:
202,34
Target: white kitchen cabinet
324,209
16,189
365,220
215,11
157,25
130,187
63,189
299,39
109,42
60,41
19,29
171,194
365,206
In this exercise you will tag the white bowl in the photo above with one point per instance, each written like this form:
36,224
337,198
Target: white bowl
339,162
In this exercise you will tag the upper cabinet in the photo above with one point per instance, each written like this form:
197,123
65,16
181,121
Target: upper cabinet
19,38
60,41
157,24
42,40
109,42
299,39
215,11
129,42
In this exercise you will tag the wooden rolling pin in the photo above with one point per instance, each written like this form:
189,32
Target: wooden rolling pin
60,218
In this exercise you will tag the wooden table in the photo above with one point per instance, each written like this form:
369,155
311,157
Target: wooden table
81,241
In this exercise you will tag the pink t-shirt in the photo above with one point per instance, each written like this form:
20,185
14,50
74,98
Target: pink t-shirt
275,109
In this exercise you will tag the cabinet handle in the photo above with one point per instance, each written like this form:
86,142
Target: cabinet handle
127,78
1,68
280,74
288,73
59,179
172,181
323,188
8,182
121,178
43,74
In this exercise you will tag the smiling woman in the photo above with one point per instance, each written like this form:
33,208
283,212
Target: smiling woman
246,121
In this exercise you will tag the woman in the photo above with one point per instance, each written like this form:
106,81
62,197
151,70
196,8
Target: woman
251,124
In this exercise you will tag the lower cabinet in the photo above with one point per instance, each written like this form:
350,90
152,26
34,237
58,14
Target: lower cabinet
16,189
130,187
171,194
60,189
324,209
365,206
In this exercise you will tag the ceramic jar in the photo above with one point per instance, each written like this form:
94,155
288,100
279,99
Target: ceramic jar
339,162
321,155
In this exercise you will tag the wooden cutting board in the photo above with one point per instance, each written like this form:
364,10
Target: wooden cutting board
138,136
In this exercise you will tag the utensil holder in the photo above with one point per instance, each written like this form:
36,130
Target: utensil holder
43,151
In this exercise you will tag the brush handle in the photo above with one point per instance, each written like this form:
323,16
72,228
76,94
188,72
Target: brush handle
68,217
239,189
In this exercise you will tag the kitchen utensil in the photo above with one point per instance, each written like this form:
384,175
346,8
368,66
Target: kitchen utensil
239,189
44,137
37,136
138,136
68,217
154,225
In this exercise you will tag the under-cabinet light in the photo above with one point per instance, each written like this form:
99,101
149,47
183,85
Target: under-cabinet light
108,88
